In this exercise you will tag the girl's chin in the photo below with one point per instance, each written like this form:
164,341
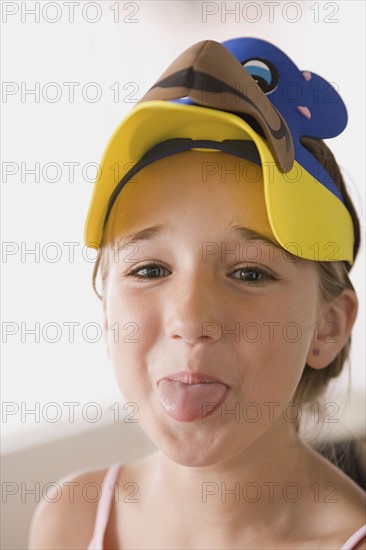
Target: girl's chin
197,447
203,442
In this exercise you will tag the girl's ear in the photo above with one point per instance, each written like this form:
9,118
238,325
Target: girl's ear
334,325
105,326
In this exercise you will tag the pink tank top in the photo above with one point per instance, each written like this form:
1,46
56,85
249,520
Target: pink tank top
105,504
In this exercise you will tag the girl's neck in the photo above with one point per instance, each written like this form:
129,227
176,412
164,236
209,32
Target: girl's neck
261,482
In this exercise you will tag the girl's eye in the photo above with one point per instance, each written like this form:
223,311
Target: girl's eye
253,276
248,275
146,270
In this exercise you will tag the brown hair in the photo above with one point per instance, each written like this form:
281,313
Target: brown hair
333,279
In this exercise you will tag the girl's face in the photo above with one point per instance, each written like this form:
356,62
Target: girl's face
213,302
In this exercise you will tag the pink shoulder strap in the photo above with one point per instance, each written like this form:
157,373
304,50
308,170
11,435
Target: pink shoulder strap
355,538
104,507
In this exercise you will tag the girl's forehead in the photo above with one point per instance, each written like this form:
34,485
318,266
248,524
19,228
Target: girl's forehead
206,190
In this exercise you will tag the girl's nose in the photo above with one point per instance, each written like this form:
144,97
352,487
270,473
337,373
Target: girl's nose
194,312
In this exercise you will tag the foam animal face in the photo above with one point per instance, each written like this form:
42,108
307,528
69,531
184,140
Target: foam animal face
310,105
206,74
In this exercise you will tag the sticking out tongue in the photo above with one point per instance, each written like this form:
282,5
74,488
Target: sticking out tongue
187,402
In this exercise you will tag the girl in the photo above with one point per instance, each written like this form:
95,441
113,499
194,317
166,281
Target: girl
225,241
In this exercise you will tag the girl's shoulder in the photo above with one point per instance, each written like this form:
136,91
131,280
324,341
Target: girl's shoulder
361,545
337,503
72,502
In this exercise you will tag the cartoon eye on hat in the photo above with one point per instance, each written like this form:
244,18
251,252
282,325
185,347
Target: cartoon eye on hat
245,97
310,105
263,72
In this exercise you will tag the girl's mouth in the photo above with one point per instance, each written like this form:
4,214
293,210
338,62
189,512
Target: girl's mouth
188,401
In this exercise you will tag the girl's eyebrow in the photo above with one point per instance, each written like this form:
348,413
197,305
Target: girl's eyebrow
146,234
238,231
246,234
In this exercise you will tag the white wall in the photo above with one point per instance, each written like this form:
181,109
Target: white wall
34,213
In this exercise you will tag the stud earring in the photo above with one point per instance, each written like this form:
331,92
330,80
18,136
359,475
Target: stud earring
316,351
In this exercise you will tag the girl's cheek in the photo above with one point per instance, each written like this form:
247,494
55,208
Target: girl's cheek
133,331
